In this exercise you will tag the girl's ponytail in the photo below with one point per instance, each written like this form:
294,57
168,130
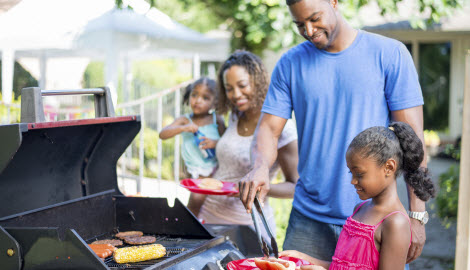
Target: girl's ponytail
412,147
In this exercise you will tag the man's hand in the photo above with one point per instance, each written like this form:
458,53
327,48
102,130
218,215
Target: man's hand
257,180
418,240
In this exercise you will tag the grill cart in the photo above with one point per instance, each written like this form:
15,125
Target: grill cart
58,193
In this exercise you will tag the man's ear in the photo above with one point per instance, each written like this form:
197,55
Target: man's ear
390,167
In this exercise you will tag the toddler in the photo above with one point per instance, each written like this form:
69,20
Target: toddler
200,130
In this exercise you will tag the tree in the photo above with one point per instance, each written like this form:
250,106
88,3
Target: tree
260,24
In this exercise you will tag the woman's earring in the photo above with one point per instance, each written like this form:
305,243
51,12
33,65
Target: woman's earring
211,111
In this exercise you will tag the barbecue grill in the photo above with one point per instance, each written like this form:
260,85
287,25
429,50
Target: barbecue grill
58,191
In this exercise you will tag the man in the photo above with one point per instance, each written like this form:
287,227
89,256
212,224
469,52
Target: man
339,82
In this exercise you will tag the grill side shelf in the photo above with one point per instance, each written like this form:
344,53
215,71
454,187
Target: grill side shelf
43,249
10,249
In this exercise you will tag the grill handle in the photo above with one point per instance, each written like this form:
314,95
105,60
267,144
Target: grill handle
32,110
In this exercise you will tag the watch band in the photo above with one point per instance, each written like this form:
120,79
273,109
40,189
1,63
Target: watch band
421,216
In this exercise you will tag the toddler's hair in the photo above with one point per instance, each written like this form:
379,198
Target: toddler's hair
401,143
209,83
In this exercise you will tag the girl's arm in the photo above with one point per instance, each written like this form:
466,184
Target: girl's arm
303,256
288,159
395,240
178,126
220,125
207,143
196,200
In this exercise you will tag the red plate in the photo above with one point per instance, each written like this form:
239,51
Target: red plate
191,185
249,264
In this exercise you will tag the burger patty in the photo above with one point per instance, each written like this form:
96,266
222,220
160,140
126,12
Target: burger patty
139,240
113,242
123,235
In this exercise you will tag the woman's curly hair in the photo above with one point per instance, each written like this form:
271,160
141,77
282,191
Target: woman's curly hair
258,79
401,143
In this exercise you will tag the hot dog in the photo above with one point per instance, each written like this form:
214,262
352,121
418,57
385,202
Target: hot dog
102,250
274,264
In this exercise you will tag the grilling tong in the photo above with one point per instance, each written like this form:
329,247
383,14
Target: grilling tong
261,241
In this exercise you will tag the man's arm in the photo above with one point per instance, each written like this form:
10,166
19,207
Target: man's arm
263,156
414,117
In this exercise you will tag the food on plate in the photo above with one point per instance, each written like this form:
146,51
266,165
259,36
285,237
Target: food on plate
102,250
123,235
113,242
210,183
140,240
139,253
274,264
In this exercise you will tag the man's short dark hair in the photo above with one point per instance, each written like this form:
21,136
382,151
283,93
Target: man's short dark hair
291,2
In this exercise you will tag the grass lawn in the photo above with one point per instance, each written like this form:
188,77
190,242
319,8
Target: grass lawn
282,208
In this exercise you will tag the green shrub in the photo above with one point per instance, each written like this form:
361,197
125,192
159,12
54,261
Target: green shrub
151,154
282,208
447,199
13,114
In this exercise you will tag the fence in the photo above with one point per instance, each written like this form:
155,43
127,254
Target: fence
143,170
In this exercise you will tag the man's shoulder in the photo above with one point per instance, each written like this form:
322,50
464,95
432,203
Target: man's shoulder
379,42
298,50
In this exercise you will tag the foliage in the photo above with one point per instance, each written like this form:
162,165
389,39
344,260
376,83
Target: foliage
282,208
161,74
11,115
260,24
93,75
431,138
195,16
151,155
434,77
21,79
447,199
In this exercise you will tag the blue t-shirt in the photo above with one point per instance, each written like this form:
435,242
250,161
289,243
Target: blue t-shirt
334,97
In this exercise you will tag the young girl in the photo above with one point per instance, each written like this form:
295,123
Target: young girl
378,234
200,130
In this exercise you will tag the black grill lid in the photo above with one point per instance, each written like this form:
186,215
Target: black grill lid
47,163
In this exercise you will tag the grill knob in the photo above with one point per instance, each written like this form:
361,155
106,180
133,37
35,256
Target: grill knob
10,252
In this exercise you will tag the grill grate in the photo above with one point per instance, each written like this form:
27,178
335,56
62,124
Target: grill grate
140,265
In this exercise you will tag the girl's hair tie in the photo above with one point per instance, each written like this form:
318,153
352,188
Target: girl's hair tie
392,129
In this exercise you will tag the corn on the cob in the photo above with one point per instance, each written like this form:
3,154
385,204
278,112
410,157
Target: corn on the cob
139,253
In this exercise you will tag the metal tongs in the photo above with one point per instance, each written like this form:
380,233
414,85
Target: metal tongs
262,243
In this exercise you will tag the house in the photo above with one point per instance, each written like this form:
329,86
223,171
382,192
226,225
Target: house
439,54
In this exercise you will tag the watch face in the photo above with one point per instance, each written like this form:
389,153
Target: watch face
425,217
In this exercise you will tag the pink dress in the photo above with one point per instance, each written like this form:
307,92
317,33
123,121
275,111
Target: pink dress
356,246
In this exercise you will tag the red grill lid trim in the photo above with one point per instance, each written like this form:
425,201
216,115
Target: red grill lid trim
81,122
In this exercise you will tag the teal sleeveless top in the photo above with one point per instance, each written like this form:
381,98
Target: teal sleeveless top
194,157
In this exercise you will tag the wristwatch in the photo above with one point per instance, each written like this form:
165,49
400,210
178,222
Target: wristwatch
423,217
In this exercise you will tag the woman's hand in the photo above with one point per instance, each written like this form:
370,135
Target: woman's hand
207,143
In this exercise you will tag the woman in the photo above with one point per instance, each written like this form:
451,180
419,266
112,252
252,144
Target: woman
243,83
